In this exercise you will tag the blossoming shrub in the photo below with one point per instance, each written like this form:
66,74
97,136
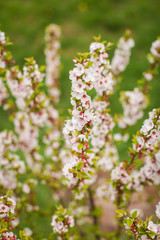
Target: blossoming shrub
78,164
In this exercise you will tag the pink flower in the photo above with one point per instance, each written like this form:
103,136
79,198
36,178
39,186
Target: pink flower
60,225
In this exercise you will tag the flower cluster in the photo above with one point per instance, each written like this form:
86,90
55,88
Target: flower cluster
90,71
142,230
35,110
3,92
154,60
2,52
122,54
31,109
7,207
104,87
77,129
5,61
124,177
62,221
31,103
7,220
149,134
101,139
52,50
103,82
10,165
133,103
108,156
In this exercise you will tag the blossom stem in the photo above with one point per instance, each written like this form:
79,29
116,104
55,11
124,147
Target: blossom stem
92,208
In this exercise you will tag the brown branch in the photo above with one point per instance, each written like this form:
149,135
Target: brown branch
92,208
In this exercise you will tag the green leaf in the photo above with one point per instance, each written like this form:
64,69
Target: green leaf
89,64
120,212
79,175
91,173
141,230
9,193
129,232
84,175
134,214
72,170
21,234
80,146
79,165
151,234
129,222
3,230
89,151
42,68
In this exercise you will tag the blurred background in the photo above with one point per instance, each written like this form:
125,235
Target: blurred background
24,21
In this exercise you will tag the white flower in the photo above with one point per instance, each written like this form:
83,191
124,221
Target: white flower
72,76
28,231
140,145
117,137
2,37
155,48
122,55
148,76
71,221
9,236
158,210
148,124
79,70
95,45
103,57
26,188
4,210
157,157
118,173
60,225
144,237
54,220
69,125
152,227
78,86
89,75
65,228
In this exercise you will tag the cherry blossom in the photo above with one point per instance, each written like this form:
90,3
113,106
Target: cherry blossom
122,54
53,33
155,48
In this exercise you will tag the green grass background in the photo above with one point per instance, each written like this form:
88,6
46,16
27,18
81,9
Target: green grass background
24,21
